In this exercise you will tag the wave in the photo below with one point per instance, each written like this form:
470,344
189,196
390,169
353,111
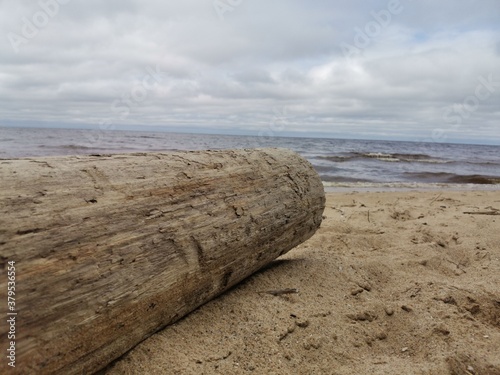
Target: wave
337,159
415,178
452,178
72,147
483,163
325,168
343,179
386,157
79,147
110,149
113,148
142,136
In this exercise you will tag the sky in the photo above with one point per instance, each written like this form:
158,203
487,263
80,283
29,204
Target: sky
398,69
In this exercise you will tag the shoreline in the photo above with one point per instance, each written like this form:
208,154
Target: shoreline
402,187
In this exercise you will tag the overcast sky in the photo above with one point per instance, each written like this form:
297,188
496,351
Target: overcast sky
411,70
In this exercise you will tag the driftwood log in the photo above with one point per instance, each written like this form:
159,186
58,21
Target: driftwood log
109,249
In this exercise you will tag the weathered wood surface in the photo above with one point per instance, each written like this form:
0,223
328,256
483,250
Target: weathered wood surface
111,248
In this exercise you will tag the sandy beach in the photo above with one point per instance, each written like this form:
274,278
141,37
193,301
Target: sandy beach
392,283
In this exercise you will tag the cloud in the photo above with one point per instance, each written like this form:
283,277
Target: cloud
414,67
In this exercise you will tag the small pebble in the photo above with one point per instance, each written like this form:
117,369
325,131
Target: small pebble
366,286
302,323
442,329
356,291
405,349
407,308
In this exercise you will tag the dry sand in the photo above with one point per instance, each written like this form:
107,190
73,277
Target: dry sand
392,283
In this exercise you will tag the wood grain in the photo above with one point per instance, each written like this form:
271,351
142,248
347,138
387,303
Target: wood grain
111,248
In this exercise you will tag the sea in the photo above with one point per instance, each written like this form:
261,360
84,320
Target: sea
341,163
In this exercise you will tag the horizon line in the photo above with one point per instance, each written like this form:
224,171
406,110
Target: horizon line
235,132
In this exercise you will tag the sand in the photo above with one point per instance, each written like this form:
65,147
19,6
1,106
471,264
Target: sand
392,283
